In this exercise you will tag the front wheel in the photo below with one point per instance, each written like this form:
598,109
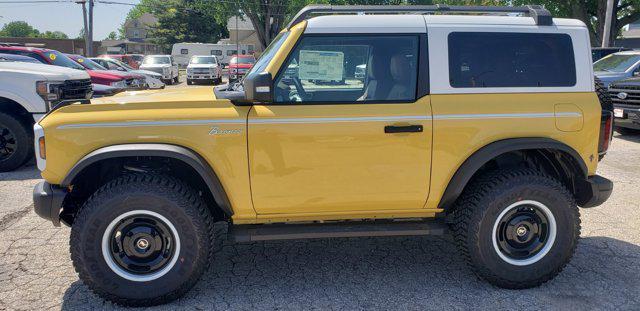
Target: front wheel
516,228
16,143
142,240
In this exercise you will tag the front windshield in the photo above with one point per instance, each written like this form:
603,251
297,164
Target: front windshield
121,64
203,60
89,64
242,60
59,59
268,53
156,60
616,62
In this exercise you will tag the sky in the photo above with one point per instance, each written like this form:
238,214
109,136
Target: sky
65,16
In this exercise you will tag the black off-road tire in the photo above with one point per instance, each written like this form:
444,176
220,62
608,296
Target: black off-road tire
476,211
176,80
603,95
166,196
20,142
189,82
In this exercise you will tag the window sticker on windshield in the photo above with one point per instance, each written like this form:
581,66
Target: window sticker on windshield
321,65
52,56
80,60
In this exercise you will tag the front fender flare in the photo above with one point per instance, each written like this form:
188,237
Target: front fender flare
179,153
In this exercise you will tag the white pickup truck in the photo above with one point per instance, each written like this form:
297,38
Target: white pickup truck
27,92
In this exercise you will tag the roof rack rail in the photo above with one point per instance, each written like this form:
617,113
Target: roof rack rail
539,14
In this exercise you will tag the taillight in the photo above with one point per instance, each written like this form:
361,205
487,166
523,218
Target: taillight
606,132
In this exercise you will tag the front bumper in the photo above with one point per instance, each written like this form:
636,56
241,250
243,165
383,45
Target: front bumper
630,117
201,76
47,201
598,190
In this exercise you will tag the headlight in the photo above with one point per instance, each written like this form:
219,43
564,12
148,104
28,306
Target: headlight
120,84
49,90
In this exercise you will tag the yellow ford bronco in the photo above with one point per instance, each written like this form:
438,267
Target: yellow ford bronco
355,121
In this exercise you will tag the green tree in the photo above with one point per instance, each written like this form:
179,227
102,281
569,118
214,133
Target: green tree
181,21
53,35
112,36
18,29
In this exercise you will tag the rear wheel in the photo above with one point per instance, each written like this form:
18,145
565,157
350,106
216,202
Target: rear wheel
16,143
516,228
189,82
142,240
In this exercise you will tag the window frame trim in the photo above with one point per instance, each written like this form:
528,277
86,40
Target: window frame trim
422,74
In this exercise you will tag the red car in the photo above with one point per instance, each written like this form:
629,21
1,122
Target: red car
130,81
133,60
53,57
239,65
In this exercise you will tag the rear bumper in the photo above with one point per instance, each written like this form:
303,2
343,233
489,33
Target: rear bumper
47,201
600,190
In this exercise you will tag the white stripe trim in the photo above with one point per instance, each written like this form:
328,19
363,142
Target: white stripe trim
324,120
150,123
338,120
505,116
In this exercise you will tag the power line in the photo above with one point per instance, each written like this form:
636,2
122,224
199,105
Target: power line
34,1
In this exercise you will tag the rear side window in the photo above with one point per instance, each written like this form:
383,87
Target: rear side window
493,59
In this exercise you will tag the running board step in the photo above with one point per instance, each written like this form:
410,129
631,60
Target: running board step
267,232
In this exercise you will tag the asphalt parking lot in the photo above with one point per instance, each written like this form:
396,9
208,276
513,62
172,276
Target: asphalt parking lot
406,273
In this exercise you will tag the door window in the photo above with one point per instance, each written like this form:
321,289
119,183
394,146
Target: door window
350,69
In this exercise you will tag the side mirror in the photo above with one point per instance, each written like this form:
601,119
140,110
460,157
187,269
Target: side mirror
258,88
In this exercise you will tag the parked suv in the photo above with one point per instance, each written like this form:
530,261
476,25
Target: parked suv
625,96
27,92
204,68
53,57
617,66
162,64
445,133
239,65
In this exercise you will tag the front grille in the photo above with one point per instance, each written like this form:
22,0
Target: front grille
75,89
155,69
632,97
201,70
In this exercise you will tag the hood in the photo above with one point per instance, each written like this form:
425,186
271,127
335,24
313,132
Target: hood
48,72
635,81
124,74
147,73
203,93
104,75
610,75
154,66
202,66
243,66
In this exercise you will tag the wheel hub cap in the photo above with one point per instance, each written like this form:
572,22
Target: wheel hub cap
524,232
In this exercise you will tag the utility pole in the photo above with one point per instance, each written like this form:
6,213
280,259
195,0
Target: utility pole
86,28
237,32
90,38
608,20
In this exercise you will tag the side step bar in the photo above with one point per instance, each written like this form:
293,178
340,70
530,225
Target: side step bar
267,232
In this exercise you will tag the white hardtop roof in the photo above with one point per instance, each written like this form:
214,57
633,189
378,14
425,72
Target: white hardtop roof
418,23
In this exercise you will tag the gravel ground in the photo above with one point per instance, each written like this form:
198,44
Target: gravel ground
356,273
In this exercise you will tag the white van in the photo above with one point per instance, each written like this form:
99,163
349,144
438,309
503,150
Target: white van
182,52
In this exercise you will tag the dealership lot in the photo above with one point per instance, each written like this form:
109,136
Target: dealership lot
355,273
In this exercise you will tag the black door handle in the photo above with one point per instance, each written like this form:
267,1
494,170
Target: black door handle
403,129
